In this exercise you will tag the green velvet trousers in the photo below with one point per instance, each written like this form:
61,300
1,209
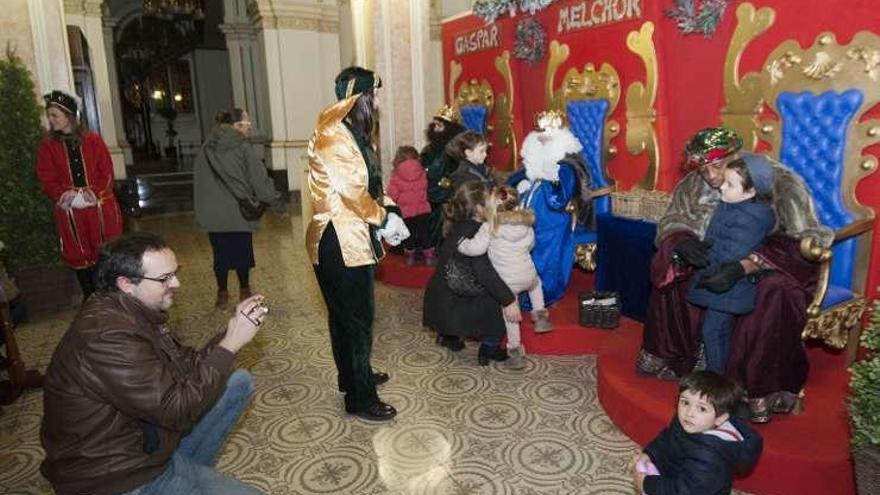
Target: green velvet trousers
348,295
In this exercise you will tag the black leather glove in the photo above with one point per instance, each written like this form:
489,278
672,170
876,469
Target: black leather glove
692,252
725,278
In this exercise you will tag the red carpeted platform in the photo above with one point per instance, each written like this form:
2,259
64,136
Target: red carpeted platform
568,337
805,454
392,270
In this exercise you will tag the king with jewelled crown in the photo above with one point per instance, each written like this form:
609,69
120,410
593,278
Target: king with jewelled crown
547,183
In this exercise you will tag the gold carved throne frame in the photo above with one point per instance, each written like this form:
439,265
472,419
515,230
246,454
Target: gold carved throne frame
790,72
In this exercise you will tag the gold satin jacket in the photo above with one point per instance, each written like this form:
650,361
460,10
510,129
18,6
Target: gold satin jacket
338,185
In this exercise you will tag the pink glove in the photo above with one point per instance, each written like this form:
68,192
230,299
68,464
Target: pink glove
648,468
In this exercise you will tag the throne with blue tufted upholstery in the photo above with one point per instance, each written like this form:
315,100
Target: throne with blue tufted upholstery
586,119
588,98
474,117
475,101
820,96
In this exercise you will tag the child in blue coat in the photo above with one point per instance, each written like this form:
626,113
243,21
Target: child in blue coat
738,226
698,453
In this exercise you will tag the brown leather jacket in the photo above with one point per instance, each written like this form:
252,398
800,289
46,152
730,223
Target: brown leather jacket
119,394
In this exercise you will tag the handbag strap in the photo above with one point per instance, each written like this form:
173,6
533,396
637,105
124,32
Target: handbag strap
217,174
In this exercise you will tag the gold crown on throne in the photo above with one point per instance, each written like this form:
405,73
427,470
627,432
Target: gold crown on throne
448,113
549,120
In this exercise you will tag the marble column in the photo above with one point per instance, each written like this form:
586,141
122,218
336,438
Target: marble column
36,30
399,34
362,28
434,88
110,24
86,14
299,44
246,65
347,45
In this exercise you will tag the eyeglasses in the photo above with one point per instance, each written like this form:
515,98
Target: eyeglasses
162,279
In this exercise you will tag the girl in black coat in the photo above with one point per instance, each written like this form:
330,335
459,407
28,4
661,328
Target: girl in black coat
453,315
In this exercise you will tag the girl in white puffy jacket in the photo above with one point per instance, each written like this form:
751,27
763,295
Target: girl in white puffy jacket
508,237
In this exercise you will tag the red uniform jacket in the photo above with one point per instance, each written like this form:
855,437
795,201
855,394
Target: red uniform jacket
87,165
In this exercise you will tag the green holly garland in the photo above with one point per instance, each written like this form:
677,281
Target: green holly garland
531,40
532,6
704,20
489,10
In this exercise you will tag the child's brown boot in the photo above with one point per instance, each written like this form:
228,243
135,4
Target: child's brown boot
541,317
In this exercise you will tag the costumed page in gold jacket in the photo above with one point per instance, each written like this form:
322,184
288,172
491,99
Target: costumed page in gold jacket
338,184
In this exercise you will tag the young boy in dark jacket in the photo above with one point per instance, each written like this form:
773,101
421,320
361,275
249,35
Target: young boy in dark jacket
738,227
699,451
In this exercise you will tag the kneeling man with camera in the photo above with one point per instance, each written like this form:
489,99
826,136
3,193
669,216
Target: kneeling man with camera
127,408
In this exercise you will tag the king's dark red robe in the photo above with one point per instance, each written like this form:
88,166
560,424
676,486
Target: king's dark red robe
73,163
767,354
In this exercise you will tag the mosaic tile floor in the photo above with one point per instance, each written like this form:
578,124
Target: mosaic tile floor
462,429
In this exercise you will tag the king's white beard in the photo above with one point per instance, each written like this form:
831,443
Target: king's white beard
542,151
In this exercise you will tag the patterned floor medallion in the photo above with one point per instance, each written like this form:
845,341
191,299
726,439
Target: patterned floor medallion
496,416
462,429
339,471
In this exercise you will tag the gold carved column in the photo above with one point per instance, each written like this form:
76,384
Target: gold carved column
640,99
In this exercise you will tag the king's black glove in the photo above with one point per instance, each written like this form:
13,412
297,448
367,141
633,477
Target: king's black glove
725,278
692,252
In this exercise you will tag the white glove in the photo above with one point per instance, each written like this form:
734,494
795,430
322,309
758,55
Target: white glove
82,200
523,186
395,230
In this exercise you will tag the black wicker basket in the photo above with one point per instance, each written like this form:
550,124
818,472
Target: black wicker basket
599,309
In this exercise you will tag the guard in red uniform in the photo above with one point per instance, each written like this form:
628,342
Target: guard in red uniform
75,171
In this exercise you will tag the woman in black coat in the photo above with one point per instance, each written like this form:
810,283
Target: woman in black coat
452,315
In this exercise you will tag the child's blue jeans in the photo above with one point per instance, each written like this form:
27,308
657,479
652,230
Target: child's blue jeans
716,339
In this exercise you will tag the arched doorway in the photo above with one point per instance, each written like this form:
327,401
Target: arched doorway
155,81
173,73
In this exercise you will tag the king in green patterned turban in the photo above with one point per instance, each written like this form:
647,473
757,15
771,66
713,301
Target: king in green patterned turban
710,144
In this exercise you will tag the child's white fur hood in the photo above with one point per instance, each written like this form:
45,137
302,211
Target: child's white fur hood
542,151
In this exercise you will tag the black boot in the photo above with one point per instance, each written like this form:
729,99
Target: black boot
377,411
450,342
379,377
486,354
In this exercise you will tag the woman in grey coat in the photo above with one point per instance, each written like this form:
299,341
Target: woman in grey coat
226,170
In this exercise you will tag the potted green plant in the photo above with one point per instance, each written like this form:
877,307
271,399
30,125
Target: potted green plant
26,224
864,409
